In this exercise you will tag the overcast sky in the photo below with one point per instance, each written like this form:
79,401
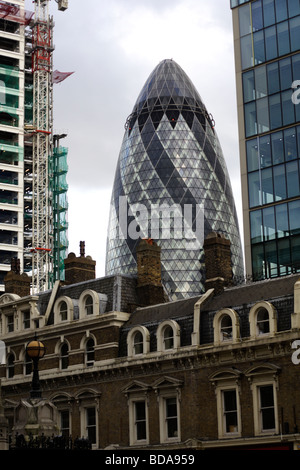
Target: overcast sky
112,47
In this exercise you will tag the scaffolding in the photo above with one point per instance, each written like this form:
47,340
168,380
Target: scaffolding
58,169
42,241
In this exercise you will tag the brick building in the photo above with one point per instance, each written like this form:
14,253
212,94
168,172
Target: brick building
131,370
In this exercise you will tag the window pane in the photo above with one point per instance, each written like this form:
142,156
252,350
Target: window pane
294,7
271,259
292,174
265,151
252,154
277,148
282,221
262,107
245,20
91,424
254,189
296,67
171,417
140,420
275,111
257,17
294,213
267,407
271,43
286,77
269,12
256,226
267,186
290,144
281,10
284,257
295,242
295,32
249,87
261,82
246,52
259,47
269,223
279,182
250,119
283,38
288,108
257,262
230,410
273,78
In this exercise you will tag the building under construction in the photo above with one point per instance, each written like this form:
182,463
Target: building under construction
33,165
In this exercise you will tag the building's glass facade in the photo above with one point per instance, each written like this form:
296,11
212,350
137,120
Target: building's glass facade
171,155
269,40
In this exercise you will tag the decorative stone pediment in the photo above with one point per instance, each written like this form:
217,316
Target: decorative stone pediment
136,387
7,298
167,382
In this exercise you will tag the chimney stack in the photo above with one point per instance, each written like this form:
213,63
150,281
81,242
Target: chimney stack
81,268
149,286
15,282
218,264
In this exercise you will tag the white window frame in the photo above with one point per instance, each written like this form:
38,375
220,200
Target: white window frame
161,339
254,330
57,309
217,325
260,376
163,419
131,344
133,435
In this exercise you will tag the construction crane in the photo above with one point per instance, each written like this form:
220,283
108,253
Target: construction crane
42,69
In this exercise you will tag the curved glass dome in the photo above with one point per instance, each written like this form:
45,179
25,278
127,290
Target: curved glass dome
171,184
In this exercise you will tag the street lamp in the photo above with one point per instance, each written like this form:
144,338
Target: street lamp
35,350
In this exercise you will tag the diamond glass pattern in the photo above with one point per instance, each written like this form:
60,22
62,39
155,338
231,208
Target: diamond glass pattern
171,155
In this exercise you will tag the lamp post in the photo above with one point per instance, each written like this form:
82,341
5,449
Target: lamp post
35,350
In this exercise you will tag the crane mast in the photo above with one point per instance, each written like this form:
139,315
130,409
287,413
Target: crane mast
42,69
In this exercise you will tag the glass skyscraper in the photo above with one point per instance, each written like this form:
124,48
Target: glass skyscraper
267,57
171,184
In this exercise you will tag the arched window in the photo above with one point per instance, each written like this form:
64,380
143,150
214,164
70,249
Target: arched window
226,328
10,366
263,319
64,356
168,337
138,343
63,311
90,352
88,305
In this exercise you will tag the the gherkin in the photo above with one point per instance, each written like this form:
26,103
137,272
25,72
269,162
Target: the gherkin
171,158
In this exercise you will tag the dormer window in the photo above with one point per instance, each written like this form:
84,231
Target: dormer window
88,305
168,336
63,311
226,326
263,320
138,341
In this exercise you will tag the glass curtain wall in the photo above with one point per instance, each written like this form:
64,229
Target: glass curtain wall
269,33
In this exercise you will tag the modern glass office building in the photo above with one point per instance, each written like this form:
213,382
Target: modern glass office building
171,184
267,57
